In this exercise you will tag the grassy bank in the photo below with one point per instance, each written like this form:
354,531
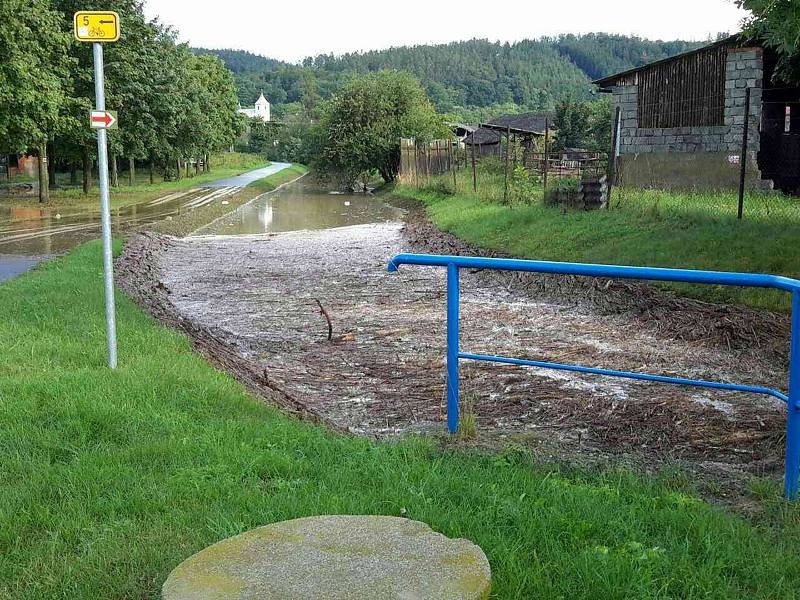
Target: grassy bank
109,480
222,166
186,223
644,228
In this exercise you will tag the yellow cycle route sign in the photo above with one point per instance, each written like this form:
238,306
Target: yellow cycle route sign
96,26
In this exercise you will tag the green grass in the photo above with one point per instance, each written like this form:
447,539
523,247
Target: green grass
109,479
223,165
187,222
644,228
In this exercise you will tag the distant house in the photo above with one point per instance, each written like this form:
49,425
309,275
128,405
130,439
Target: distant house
462,130
683,119
260,110
16,165
525,127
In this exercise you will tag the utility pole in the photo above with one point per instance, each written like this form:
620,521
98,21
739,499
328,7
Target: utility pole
98,27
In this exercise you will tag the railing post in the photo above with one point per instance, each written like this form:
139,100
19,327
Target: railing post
452,347
792,464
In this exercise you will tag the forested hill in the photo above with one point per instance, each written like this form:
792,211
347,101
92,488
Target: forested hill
601,54
240,61
477,73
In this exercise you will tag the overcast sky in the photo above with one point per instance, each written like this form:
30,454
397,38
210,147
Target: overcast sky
293,30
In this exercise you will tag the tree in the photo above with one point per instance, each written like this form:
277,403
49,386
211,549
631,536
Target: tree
34,64
585,125
173,105
777,23
361,127
216,101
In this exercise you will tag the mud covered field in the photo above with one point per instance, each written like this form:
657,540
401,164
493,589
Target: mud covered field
257,306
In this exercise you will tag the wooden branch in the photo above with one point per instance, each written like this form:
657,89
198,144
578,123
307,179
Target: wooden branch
325,314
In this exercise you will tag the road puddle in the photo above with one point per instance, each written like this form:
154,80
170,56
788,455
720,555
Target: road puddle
303,205
30,233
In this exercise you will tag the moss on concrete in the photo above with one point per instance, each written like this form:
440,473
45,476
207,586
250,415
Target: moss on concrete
337,558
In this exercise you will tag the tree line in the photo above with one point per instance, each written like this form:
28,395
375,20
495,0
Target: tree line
461,76
173,105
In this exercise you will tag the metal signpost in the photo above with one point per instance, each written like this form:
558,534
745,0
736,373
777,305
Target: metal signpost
98,27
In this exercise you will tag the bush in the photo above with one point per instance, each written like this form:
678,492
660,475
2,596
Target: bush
521,186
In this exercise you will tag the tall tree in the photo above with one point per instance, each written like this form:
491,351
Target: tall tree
584,125
361,127
34,64
777,22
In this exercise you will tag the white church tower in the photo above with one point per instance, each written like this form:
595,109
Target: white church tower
261,109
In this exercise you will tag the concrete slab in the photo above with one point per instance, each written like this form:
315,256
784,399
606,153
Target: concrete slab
336,558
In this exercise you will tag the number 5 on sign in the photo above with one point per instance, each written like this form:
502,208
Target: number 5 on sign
97,26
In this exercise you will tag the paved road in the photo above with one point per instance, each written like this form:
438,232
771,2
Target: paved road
248,178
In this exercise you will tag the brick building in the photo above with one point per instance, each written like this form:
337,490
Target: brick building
683,120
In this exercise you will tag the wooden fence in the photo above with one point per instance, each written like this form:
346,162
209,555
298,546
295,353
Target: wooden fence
421,161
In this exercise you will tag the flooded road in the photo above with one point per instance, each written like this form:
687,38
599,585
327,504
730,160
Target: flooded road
29,234
303,205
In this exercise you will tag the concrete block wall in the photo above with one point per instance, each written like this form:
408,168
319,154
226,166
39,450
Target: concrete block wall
744,68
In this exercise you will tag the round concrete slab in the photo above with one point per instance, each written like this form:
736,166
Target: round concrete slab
335,558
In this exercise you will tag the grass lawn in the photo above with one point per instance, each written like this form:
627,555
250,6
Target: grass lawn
187,222
109,479
645,228
222,166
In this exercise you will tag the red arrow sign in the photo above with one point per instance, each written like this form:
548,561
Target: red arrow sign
102,119
105,119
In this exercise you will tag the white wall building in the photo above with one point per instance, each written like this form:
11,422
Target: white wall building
261,109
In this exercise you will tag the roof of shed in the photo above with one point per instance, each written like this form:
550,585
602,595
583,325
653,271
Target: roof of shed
483,136
734,40
465,126
530,123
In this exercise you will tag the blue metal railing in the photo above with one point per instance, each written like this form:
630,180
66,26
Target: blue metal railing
454,263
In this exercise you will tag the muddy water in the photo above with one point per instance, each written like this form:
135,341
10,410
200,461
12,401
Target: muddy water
32,231
303,205
29,234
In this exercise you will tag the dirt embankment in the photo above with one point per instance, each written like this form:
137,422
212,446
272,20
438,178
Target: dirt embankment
251,304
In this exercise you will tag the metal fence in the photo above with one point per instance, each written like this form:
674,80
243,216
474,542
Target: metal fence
454,263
